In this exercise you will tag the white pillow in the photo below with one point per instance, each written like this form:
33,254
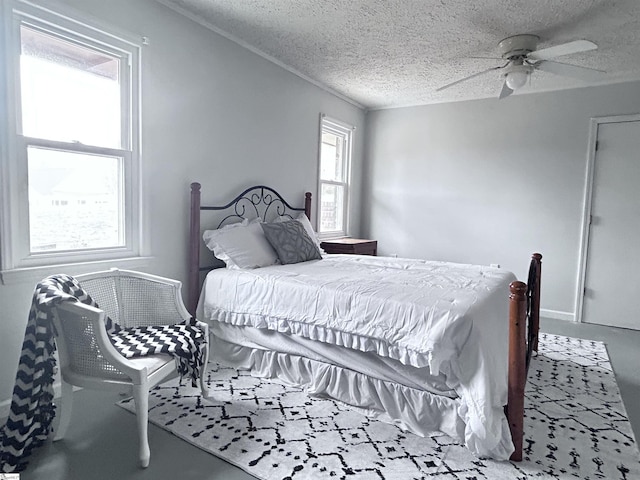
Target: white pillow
302,218
241,245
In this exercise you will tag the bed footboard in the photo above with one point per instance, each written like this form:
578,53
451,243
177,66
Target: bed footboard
524,324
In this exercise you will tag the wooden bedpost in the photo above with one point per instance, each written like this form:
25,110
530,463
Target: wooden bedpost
307,205
194,250
536,261
517,364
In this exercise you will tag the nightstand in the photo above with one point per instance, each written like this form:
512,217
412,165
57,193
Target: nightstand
353,246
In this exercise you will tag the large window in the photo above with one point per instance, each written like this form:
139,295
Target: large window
335,160
72,162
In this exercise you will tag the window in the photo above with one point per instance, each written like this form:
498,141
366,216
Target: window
333,188
71,169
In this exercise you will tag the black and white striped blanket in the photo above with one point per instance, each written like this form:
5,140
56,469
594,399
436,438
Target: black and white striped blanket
32,409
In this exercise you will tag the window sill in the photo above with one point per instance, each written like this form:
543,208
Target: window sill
329,238
35,274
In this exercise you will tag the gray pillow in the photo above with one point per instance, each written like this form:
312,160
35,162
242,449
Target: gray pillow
291,242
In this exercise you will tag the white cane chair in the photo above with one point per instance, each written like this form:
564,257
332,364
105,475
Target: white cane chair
89,360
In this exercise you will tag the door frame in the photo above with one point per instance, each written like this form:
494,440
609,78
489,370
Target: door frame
587,201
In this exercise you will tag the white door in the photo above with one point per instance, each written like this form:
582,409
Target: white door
612,281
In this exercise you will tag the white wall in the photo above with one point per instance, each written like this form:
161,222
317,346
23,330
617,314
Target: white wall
213,112
488,181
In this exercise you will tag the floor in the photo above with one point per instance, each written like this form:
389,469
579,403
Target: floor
102,440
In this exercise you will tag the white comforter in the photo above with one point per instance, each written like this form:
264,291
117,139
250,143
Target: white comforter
451,318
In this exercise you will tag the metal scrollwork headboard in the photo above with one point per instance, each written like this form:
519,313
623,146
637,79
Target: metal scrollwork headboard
258,201
255,202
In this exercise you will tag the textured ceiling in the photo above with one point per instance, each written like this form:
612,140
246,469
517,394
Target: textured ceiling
390,53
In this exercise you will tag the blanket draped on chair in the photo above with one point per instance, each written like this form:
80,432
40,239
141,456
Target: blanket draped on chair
32,410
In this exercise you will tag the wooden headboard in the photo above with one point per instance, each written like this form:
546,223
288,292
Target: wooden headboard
258,201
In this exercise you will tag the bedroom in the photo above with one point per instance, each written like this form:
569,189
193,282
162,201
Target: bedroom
205,96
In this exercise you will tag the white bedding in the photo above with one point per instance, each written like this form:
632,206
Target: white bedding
450,318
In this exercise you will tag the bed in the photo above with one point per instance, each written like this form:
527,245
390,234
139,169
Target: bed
428,346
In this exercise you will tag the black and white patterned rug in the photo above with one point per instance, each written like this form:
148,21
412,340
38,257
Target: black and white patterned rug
576,427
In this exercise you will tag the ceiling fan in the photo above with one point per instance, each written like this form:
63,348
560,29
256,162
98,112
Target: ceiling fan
522,59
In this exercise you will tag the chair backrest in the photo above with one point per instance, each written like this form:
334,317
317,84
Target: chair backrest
134,299
104,290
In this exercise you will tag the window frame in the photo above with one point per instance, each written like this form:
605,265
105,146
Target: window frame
337,127
14,229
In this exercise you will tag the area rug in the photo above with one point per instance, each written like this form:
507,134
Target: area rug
576,427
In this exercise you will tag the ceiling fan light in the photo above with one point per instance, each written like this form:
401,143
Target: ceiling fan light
516,79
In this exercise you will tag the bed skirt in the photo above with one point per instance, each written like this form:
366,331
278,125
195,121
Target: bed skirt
415,411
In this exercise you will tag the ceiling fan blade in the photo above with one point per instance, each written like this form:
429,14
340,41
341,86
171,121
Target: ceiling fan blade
471,76
576,46
506,91
572,71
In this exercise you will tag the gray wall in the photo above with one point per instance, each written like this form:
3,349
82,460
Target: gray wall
212,112
488,181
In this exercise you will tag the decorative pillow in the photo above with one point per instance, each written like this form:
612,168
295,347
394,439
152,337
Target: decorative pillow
302,218
291,241
241,245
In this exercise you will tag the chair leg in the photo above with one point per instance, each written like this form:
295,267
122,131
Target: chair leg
203,383
65,412
141,397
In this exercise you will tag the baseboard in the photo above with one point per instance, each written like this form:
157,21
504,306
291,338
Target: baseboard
557,315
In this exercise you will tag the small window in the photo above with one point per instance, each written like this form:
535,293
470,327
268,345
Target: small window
335,159
74,139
